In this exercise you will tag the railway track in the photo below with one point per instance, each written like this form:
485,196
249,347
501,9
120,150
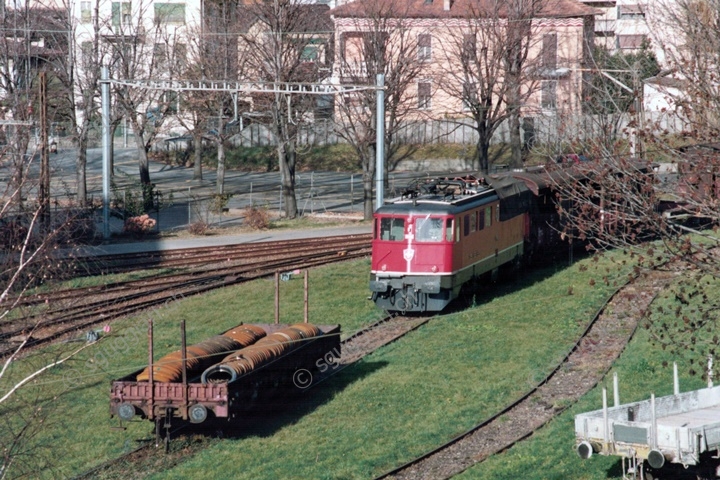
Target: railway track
355,347
581,369
189,257
69,311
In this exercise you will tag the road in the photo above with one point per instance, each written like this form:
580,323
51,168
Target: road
185,200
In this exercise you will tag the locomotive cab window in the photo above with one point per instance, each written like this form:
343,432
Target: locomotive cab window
449,230
488,216
392,229
429,229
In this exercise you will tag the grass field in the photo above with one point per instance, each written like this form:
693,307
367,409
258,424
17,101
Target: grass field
393,405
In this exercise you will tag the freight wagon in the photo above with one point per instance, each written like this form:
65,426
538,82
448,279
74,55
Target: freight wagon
227,375
665,437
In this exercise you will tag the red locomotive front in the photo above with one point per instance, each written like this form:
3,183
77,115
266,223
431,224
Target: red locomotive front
437,236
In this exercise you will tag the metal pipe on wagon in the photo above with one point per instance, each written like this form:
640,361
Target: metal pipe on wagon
676,380
277,297
616,390
306,296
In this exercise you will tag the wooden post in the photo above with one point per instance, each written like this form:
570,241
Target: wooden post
151,415
306,295
277,297
184,409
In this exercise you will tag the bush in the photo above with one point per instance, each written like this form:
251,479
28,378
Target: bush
139,225
198,228
257,218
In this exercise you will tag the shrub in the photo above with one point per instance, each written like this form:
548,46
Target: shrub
257,218
139,225
198,228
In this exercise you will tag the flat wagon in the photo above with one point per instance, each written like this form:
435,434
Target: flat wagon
205,390
658,437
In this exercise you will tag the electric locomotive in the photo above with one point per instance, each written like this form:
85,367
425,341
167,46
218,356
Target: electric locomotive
441,233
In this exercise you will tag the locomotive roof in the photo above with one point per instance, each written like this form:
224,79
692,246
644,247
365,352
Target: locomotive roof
430,206
450,196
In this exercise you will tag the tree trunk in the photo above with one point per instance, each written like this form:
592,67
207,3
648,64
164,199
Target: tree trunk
482,155
143,161
220,184
81,170
516,160
197,145
287,169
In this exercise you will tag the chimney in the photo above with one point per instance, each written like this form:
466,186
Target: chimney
446,5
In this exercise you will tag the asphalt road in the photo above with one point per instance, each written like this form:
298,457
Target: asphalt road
186,200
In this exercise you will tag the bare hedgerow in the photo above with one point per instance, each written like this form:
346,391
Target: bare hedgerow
257,218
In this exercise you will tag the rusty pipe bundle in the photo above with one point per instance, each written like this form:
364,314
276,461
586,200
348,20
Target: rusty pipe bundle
260,353
202,355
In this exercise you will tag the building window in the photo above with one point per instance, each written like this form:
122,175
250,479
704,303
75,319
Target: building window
469,48
469,95
160,56
85,12
121,14
424,95
424,47
549,52
630,11
630,42
180,54
169,14
87,56
171,101
549,94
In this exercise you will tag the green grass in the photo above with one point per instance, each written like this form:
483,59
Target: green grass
419,392
395,404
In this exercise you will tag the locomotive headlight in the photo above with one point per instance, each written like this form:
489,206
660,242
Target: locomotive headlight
434,269
383,267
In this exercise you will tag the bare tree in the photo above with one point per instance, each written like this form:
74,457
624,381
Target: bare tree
491,42
213,56
619,202
376,38
140,52
276,38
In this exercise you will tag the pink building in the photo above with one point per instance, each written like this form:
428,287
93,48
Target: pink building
561,39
